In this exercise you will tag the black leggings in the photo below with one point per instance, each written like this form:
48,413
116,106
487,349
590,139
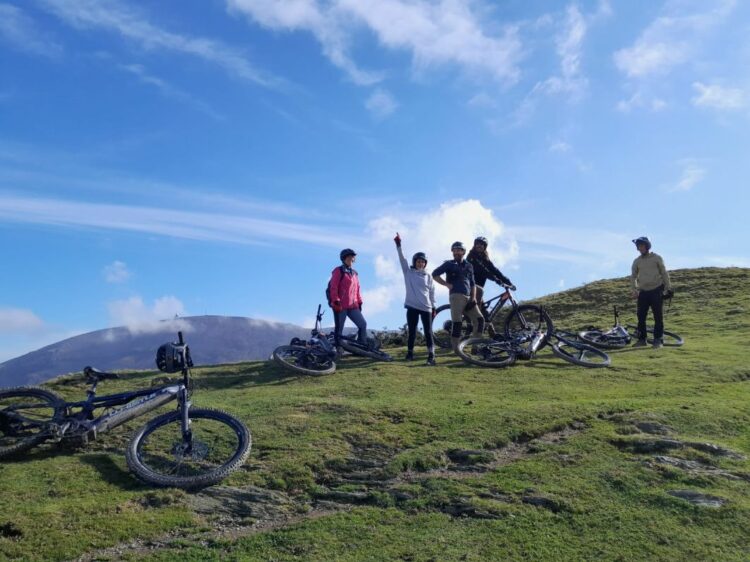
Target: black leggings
651,299
412,318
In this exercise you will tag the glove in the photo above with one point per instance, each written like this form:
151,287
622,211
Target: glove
397,240
511,286
360,307
669,294
434,313
471,304
336,306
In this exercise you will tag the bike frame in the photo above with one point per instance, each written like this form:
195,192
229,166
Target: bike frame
136,403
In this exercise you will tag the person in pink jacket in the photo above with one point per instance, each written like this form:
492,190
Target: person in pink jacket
345,296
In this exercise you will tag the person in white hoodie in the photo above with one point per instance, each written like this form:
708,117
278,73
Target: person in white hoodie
419,301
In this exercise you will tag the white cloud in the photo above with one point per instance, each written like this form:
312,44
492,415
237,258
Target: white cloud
560,146
381,104
19,321
640,100
432,232
672,38
116,272
718,97
115,16
218,227
138,317
448,32
19,30
692,175
568,45
482,100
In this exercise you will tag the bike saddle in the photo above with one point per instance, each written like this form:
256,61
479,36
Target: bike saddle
95,374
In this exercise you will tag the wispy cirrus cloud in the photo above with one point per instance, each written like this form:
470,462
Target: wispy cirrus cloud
381,103
446,33
113,15
718,97
19,31
170,91
692,174
673,38
194,225
116,272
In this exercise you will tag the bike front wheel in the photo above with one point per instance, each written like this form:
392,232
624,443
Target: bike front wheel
670,339
303,360
579,353
525,321
25,413
161,455
486,352
442,326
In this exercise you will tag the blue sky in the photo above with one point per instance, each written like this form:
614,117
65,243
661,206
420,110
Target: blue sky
213,157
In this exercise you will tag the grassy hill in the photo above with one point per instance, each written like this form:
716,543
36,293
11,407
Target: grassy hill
645,460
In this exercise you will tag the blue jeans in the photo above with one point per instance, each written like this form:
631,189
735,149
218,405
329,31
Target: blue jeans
356,316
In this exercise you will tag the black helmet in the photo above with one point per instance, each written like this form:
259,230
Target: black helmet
481,240
458,246
347,252
418,256
642,240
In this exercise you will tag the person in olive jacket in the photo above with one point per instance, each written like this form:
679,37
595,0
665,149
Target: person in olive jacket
650,282
459,278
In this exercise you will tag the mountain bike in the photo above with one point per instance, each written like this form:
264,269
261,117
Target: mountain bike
316,356
503,351
186,448
370,349
618,336
521,320
567,346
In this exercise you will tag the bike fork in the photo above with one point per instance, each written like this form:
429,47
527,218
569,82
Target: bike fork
187,434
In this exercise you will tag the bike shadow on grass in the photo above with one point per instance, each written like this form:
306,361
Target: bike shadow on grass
111,472
267,374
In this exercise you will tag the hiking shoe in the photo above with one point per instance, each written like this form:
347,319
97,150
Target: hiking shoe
657,344
640,343
431,360
409,355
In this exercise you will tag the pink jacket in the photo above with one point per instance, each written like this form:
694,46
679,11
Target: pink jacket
345,287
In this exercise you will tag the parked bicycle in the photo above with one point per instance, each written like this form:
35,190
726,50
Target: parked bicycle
186,448
618,336
522,319
316,356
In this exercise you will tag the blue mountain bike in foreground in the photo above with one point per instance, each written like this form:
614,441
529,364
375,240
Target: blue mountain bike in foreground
185,448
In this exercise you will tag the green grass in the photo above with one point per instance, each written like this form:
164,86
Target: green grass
599,500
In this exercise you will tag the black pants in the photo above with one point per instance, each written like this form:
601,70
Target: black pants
412,317
651,299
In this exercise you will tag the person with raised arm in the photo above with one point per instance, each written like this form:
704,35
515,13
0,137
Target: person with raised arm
459,278
419,301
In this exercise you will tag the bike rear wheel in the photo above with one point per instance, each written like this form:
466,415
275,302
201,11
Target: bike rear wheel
25,413
579,353
442,325
303,360
371,351
160,455
486,352
601,339
670,339
525,321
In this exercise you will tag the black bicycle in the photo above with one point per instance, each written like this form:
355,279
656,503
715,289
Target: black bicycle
316,356
369,349
618,336
186,448
567,346
522,320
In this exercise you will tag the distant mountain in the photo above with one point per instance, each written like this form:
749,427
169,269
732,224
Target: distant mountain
212,340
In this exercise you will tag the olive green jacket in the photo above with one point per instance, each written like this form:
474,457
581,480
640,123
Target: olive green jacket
648,273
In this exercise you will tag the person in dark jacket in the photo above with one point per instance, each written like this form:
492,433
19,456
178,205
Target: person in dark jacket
459,278
484,269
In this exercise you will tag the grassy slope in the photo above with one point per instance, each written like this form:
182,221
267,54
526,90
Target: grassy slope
607,503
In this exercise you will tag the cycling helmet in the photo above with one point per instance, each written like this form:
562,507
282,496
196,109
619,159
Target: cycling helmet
642,240
481,240
418,256
458,246
347,252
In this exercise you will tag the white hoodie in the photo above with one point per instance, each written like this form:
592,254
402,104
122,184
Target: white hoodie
420,288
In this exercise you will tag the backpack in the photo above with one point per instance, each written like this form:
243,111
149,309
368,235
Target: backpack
328,287
173,357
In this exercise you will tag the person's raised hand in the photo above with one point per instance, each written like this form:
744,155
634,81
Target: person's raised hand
397,240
